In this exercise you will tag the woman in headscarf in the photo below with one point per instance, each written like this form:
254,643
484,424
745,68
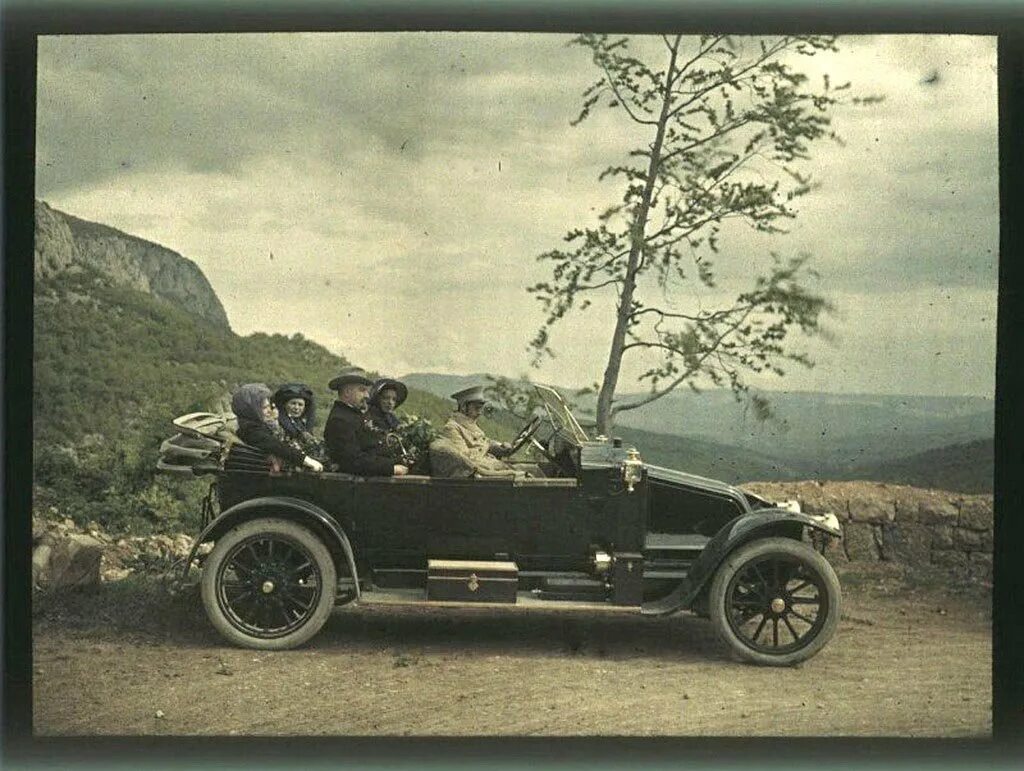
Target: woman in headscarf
385,397
296,414
259,428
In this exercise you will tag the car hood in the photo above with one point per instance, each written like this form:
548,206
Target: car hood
674,478
663,474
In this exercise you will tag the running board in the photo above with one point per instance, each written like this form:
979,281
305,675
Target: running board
523,600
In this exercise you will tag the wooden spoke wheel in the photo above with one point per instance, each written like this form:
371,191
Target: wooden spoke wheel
269,584
775,601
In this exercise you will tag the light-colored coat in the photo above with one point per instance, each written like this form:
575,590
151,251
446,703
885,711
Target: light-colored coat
462,449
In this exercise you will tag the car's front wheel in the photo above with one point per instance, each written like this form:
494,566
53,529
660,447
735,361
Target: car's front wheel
775,601
269,584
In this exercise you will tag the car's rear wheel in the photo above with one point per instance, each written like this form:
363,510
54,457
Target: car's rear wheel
775,601
269,584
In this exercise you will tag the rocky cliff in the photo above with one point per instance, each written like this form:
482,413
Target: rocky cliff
66,243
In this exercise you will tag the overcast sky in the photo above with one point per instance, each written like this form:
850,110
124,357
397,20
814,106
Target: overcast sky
405,183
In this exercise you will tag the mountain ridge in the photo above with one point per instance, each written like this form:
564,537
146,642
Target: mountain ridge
66,243
816,435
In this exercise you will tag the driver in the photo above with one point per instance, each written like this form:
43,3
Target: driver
462,449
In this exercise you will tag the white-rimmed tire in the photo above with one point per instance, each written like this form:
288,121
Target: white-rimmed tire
269,584
775,601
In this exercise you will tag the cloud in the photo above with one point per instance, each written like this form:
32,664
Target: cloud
407,181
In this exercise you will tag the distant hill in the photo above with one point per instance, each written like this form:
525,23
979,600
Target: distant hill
827,431
441,384
966,468
813,436
709,459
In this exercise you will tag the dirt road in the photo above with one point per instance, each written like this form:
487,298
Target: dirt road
907,661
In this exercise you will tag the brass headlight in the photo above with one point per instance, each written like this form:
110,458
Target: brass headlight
632,468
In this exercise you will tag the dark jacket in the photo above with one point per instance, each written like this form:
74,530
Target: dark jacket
382,421
354,445
262,438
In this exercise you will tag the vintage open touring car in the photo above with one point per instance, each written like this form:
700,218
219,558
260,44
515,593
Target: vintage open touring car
603,532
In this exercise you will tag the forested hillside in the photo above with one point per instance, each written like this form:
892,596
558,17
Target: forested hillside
966,468
114,365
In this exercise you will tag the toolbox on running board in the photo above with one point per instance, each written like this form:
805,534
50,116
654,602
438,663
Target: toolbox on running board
472,581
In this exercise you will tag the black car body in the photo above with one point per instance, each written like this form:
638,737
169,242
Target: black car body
603,531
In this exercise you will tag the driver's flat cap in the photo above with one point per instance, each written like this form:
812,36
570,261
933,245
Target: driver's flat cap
473,394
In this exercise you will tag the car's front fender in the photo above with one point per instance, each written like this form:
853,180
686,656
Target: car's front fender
762,523
283,507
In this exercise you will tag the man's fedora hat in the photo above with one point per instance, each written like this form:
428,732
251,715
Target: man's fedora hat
474,394
347,376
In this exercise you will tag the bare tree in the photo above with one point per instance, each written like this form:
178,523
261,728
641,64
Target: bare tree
726,120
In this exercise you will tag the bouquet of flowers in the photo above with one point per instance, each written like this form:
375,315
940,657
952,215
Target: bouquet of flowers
410,443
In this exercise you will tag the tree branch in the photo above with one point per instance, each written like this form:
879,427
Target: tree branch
700,53
625,105
602,285
727,129
757,62
699,318
695,367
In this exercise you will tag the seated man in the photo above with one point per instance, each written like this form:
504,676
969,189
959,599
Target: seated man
463,450
351,443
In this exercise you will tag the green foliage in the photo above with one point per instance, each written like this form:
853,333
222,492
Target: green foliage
725,121
517,397
417,433
113,366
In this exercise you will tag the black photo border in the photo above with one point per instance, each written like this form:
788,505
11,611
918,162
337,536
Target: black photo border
23,21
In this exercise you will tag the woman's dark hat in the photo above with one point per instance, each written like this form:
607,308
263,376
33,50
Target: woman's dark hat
350,375
474,394
293,391
385,383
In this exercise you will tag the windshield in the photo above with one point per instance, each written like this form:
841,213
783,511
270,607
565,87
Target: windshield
561,418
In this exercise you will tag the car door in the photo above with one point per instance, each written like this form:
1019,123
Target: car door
403,521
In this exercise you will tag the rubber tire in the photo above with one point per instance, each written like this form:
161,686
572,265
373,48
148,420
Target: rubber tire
760,548
309,541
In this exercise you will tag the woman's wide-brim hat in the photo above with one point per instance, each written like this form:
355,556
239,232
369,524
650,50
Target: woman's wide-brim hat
400,389
292,391
348,376
474,394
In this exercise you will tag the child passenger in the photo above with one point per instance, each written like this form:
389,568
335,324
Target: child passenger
258,426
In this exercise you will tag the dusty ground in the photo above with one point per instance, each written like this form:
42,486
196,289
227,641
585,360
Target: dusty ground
909,660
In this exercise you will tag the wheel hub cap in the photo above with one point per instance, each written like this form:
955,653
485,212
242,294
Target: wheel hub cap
268,587
778,605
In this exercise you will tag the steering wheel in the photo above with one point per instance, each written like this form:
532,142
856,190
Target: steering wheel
525,434
545,449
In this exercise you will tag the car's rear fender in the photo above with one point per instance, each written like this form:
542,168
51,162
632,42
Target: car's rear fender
762,523
282,507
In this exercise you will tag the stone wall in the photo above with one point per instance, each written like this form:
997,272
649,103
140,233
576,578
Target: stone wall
896,523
